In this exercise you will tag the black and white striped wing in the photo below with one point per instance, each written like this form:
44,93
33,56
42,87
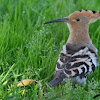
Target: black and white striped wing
77,63
74,62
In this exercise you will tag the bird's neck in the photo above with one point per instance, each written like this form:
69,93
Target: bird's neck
79,35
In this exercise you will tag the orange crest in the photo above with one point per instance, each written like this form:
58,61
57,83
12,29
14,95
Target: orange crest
91,15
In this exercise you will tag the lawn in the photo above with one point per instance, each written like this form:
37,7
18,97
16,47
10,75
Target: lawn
29,49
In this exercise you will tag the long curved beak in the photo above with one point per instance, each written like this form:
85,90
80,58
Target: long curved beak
57,20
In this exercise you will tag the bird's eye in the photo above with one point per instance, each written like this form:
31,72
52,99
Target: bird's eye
77,19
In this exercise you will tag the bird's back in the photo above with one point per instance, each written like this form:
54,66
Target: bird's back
75,62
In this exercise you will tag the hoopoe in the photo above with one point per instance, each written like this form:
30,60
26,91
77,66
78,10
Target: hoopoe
79,56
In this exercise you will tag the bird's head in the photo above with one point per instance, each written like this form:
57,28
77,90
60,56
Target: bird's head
79,18
78,24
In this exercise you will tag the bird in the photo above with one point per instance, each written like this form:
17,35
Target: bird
78,57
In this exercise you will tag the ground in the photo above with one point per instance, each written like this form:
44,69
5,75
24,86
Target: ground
29,49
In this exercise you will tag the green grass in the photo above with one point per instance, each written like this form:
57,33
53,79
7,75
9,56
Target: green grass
29,49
